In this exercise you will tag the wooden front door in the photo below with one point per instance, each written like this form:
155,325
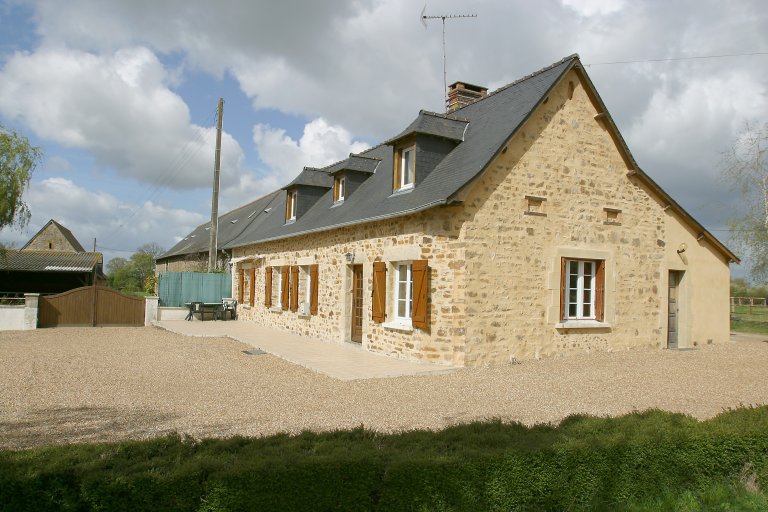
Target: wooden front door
357,304
673,309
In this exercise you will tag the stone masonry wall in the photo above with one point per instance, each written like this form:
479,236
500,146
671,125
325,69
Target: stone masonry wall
420,236
565,156
53,236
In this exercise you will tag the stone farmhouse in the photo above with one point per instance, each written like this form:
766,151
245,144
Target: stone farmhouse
516,226
52,261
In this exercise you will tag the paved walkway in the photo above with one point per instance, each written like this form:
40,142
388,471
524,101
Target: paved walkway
747,336
344,361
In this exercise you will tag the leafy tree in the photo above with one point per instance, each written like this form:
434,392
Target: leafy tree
745,166
137,273
18,159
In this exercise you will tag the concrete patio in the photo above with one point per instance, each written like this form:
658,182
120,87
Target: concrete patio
343,361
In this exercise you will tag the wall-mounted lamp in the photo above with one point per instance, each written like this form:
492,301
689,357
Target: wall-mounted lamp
350,257
682,248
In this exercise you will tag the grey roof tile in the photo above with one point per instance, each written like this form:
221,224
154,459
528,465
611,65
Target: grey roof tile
485,127
49,261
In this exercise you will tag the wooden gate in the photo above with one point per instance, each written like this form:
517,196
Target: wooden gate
77,308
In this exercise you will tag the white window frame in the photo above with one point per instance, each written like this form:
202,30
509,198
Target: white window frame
294,195
277,302
408,293
580,289
342,188
404,168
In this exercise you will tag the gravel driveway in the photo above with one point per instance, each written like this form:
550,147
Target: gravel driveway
105,384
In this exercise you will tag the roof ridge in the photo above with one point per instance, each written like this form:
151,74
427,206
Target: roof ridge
519,80
442,116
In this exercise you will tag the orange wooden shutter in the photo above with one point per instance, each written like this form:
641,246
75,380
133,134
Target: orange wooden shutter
240,290
419,315
313,279
253,286
562,289
379,291
268,287
294,288
284,281
600,291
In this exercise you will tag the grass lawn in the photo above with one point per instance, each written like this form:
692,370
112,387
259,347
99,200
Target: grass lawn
652,460
754,320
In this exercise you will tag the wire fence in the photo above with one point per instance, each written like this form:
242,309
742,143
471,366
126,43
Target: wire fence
749,306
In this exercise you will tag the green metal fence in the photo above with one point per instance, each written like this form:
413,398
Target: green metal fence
177,288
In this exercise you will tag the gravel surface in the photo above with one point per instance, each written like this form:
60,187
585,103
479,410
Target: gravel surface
106,384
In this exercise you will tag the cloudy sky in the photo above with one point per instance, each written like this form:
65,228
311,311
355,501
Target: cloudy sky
121,95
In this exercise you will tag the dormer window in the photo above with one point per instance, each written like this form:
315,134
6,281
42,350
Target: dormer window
339,188
290,206
405,168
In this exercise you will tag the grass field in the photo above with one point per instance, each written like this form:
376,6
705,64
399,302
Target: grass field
746,319
650,461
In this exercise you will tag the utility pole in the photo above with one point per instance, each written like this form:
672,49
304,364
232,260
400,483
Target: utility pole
214,242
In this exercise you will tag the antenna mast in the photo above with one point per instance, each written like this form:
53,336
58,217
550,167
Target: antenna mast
214,242
444,17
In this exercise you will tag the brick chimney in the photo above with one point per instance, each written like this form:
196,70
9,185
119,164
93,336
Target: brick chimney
461,94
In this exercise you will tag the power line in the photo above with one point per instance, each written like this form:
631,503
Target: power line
677,58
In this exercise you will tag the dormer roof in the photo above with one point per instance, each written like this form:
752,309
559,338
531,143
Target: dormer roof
357,163
311,177
439,125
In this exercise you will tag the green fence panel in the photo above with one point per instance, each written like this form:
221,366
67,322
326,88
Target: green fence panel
177,288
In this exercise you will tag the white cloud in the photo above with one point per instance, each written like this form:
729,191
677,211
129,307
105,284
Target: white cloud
713,108
115,224
595,7
321,144
118,107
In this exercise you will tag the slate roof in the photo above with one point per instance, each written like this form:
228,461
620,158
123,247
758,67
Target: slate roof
49,261
231,225
64,231
311,177
483,129
438,125
354,163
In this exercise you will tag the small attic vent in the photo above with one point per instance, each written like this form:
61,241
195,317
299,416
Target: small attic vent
233,221
267,210
192,236
252,213
461,94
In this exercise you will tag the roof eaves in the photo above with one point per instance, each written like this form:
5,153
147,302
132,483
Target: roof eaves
342,224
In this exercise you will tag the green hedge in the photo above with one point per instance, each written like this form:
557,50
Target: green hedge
645,461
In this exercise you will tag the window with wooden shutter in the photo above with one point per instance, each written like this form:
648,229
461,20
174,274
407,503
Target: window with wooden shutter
420,316
284,282
252,290
313,281
294,288
582,289
379,295
268,287
240,279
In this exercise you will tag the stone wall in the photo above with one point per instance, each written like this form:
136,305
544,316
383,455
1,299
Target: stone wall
420,236
564,156
50,239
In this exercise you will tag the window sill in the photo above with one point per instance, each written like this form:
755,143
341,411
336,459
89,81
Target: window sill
398,325
305,317
276,309
535,214
582,324
290,221
404,190
337,203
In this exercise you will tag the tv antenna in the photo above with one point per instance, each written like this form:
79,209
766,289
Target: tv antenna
443,17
